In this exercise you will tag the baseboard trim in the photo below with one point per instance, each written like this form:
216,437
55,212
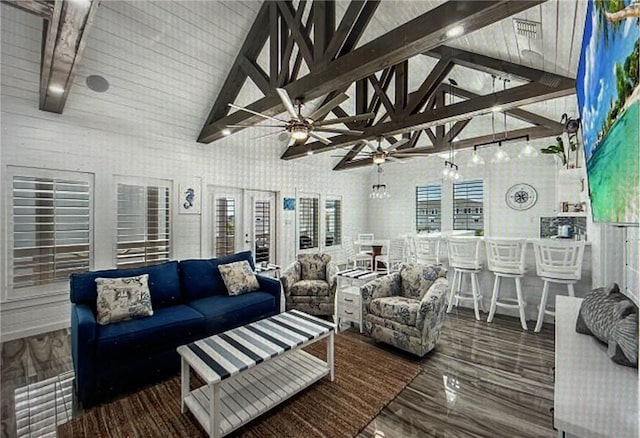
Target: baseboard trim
33,331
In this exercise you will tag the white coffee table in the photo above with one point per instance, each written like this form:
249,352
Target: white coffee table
251,369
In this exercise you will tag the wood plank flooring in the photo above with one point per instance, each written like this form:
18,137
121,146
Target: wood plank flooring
482,380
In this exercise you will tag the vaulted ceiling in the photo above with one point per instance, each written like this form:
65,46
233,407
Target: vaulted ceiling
135,42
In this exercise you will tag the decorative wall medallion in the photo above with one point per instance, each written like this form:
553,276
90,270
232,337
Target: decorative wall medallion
521,196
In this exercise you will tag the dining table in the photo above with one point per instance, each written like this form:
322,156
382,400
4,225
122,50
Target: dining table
376,248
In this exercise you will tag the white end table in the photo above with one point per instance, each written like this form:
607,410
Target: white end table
348,306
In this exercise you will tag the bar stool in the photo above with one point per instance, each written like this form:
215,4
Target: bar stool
557,261
428,250
505,258
464,258
409,248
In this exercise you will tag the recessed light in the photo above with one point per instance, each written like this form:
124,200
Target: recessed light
496,108
455,31
226,131
56,89
309,152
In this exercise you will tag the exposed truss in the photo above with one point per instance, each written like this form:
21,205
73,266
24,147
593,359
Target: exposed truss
332,59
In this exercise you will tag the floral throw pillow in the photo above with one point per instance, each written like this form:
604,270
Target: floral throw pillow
123,298
238,277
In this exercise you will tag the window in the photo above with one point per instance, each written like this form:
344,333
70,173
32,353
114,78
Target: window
50,226
225,226
143,215
308,222
429,208
333,222
468,208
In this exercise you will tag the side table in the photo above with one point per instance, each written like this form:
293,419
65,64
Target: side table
348,299
272,270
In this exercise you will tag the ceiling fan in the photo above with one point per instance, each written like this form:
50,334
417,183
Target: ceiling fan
380,155
302,127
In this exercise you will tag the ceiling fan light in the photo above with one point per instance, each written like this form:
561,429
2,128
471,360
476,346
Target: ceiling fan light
226,131
455,31
378,159
299,132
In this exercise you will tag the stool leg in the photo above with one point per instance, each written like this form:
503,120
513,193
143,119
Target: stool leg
474,291
543,305
572,292
453,289
480,296
494,298
523,318
459,287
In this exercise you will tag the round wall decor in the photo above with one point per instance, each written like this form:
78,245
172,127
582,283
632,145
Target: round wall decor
521,196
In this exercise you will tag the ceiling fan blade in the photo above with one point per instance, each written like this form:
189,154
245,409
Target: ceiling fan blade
397,144
420,154
349,119
257,126
340,131
286,100
256,113
266,135
324,109
395,160
319,137
371,146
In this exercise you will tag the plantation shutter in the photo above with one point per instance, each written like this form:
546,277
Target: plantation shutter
262,230
429,208
51,229
468,206
143,218
225,226
308,223
333,222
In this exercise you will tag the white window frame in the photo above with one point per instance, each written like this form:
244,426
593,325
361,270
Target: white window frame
324,221
319,224
146,182
28,292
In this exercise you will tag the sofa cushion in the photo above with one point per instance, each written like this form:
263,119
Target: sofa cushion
317,288
223,312
314,266
123,298
201,278
417,279
238,277
166,325
400,309
164,284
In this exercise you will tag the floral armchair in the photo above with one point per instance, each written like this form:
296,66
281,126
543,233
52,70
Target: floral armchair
310,283
406,308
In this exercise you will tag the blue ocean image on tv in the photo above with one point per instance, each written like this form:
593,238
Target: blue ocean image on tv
608,98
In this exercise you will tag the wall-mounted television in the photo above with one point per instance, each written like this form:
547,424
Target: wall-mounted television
608,99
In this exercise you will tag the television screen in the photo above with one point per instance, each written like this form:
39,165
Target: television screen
608,100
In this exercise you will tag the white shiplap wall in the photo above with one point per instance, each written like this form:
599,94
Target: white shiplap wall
165,62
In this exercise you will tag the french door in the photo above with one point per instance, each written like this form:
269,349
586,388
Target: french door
242,220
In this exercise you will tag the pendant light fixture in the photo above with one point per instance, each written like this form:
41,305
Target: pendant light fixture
379,190
476,159
528,152
451,170
501,156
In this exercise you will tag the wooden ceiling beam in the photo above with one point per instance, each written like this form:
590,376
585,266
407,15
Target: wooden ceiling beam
299,31
429,86
64,42
285,57
533,133
324,25
41,8
419,35
507,99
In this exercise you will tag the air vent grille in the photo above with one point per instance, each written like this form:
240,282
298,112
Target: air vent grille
527,29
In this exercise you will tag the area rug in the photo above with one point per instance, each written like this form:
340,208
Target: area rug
367,379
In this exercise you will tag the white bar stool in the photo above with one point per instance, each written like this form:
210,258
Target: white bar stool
505,258
464,258
428,250
557,261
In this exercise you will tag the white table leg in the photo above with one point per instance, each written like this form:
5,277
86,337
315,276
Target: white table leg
214,409
330,356
185,384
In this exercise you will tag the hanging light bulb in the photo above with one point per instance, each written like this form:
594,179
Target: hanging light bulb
500,155
445,171
476,159
528,152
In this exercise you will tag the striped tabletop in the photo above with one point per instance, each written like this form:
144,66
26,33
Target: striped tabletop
221,356
359,274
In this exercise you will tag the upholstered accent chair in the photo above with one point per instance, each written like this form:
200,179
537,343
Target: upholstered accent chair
309,284
406,309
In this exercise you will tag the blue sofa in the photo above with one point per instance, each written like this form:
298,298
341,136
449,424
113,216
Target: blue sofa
190,301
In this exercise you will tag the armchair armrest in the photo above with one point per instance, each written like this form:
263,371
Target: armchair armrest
431,310
332,277
290,275
387,286
272,286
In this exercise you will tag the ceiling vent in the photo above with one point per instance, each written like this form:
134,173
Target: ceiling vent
528,29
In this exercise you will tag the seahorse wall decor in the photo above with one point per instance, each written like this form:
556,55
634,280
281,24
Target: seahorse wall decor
189,198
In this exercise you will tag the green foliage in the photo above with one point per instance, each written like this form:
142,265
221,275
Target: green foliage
558,149
610,6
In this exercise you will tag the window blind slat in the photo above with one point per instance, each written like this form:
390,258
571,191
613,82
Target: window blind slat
308,222
262,230
429,208
333,222
468,206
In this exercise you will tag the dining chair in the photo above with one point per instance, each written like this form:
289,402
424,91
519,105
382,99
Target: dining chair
363,255
393,257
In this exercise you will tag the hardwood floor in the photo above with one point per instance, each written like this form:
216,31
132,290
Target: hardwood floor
482,380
